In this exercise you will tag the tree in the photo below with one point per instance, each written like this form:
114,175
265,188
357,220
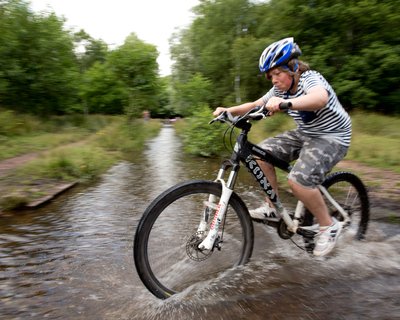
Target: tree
210,39
102,91
89,50
190,95
355,45
135,64
38,67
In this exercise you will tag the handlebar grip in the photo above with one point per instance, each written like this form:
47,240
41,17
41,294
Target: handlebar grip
255,109
285,105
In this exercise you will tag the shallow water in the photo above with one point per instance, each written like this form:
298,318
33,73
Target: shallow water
73,258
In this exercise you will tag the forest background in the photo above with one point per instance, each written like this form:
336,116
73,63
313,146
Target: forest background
46,69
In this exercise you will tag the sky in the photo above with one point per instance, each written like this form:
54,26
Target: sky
153,21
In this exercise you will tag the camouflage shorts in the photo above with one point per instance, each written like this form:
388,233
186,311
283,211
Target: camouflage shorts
315,156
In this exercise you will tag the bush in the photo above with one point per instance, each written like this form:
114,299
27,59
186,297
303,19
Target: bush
12,124
199,137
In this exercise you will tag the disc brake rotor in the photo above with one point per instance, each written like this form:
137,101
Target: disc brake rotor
192,247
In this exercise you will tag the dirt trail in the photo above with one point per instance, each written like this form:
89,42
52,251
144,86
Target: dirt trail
10,164
378,180
383,189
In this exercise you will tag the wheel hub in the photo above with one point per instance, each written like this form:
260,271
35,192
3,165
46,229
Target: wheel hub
192,247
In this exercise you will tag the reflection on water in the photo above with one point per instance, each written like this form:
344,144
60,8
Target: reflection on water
73,259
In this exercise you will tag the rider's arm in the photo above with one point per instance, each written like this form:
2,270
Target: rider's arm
240,109
315,99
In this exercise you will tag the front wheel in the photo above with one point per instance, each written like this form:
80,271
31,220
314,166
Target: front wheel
349,191
166,253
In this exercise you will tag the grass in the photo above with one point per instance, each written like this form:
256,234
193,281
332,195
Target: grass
18,145
69,163
21,134
81,151
92,156
376,140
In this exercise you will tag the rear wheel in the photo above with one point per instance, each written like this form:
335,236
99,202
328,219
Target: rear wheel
349,191
166,251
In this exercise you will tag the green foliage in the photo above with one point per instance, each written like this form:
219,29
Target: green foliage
199,137
135,64
22,133
12,124
191,94
95,51
355,45
102,91
210,40
38,67
46,69
87,160
127,136
69,163
376,125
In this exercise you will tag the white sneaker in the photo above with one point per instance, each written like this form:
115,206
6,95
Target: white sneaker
264,212
326,239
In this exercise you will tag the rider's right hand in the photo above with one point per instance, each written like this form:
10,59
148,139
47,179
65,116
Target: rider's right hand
219,110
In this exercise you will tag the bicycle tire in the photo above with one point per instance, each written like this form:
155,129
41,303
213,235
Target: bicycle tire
160,244
350,192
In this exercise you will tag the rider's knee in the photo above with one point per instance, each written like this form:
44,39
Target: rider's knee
295,184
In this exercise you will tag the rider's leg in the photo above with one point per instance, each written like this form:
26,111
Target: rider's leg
313,201
286,147
316,159
269,171
267,209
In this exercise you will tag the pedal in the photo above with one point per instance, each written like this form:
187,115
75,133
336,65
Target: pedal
306,233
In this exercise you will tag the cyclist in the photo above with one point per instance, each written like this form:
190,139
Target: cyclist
320,141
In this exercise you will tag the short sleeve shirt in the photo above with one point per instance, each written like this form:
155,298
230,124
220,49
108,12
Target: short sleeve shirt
331,121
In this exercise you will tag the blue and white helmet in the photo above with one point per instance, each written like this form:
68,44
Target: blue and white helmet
278,54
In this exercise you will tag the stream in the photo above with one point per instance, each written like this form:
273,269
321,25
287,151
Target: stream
72,259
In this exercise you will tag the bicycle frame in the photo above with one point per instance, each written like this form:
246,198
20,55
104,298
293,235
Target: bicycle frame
248,153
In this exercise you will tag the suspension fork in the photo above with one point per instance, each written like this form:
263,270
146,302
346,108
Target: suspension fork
220,208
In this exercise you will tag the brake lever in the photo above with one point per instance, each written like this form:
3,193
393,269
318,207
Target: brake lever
224,117
259,114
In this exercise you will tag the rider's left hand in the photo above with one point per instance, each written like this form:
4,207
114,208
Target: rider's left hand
273,105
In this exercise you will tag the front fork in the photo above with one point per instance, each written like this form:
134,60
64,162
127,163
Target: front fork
220,209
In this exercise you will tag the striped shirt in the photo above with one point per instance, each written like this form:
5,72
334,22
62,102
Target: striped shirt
331,121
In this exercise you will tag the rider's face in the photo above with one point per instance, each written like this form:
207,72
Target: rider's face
280,79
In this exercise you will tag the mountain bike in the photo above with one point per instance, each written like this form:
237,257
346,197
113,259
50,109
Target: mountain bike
198,229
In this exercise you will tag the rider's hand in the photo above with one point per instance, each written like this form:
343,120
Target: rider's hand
219,110
273,105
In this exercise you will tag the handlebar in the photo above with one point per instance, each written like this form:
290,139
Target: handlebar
285,106
256,113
